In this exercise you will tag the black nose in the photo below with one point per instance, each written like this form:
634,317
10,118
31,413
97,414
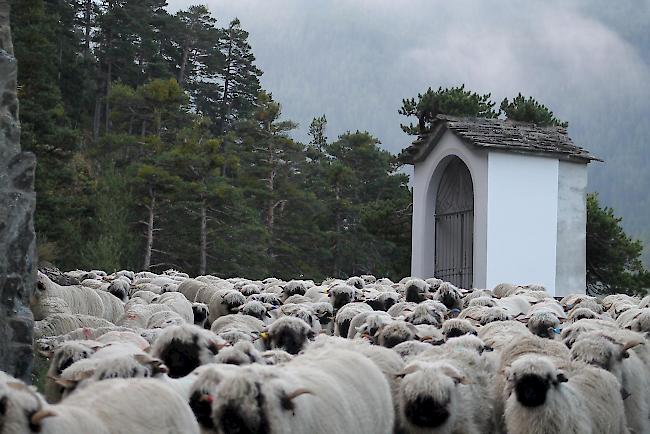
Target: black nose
424,411
531,390
413,294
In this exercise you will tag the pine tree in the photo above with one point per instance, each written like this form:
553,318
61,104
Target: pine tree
529,110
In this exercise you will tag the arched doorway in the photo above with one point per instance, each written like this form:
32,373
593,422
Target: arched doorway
454,232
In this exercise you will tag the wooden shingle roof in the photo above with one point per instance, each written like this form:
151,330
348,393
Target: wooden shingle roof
499,134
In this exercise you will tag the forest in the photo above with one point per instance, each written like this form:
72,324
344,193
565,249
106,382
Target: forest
158,148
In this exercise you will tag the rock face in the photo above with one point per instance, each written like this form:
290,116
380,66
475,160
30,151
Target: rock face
17,237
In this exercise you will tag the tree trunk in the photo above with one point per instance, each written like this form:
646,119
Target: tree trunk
204,239
183,68
97,118
150,229
88,24
107,110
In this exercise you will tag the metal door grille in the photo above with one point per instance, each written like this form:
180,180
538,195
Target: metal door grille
454,229
454,247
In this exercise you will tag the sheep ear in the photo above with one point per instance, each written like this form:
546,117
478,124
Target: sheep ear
37,418
625,394
296,393
561,378
47,354
408,370
66,384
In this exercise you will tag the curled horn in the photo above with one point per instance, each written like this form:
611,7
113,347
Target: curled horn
37,418
296,393
631,344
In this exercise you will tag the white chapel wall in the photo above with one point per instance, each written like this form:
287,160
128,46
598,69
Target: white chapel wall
425,184
522,219
571,227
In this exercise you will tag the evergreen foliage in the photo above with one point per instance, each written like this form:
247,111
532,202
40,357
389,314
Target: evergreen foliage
158,148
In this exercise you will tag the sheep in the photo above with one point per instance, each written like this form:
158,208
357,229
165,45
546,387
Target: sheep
544,324
425,314
113,307
628,369
477,293
515,305
123,337
368,324
190,287
293,287
113,406
395,333
304,312
645,302
499,334
641,323
164,318
415,290
450,296
402,308
120,363
571,332
291,398
443,391
579,313
357,282
341,295
244,323
409,349
290,334
137,316
384,300
297,299
276,356
266,298
59,324
368,279
324,312
504,290
62,357
457,327
481,301
177,303
484,315
541,399
225,302
183,348
241,353
201,313
345,315
80,300
120,289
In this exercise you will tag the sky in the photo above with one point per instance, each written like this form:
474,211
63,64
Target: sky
355,60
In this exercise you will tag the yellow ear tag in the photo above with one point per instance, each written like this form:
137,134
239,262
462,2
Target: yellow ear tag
264,335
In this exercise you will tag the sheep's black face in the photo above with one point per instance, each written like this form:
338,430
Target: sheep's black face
531,390
200,315
341,299
426,412
290,340
181,357
233,421
449,300
390,340
413,294
376,304
294,290
388,303
344,327
454,333
233,306
202,409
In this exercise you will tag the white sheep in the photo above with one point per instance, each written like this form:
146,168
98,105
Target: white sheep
183,348
115,407
629,370
60,324
291,397
543,399
290,334
345,315
224,302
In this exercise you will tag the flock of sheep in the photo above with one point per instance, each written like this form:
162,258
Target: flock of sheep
133,353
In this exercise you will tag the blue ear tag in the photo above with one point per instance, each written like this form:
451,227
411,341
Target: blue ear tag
454,310
557,331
